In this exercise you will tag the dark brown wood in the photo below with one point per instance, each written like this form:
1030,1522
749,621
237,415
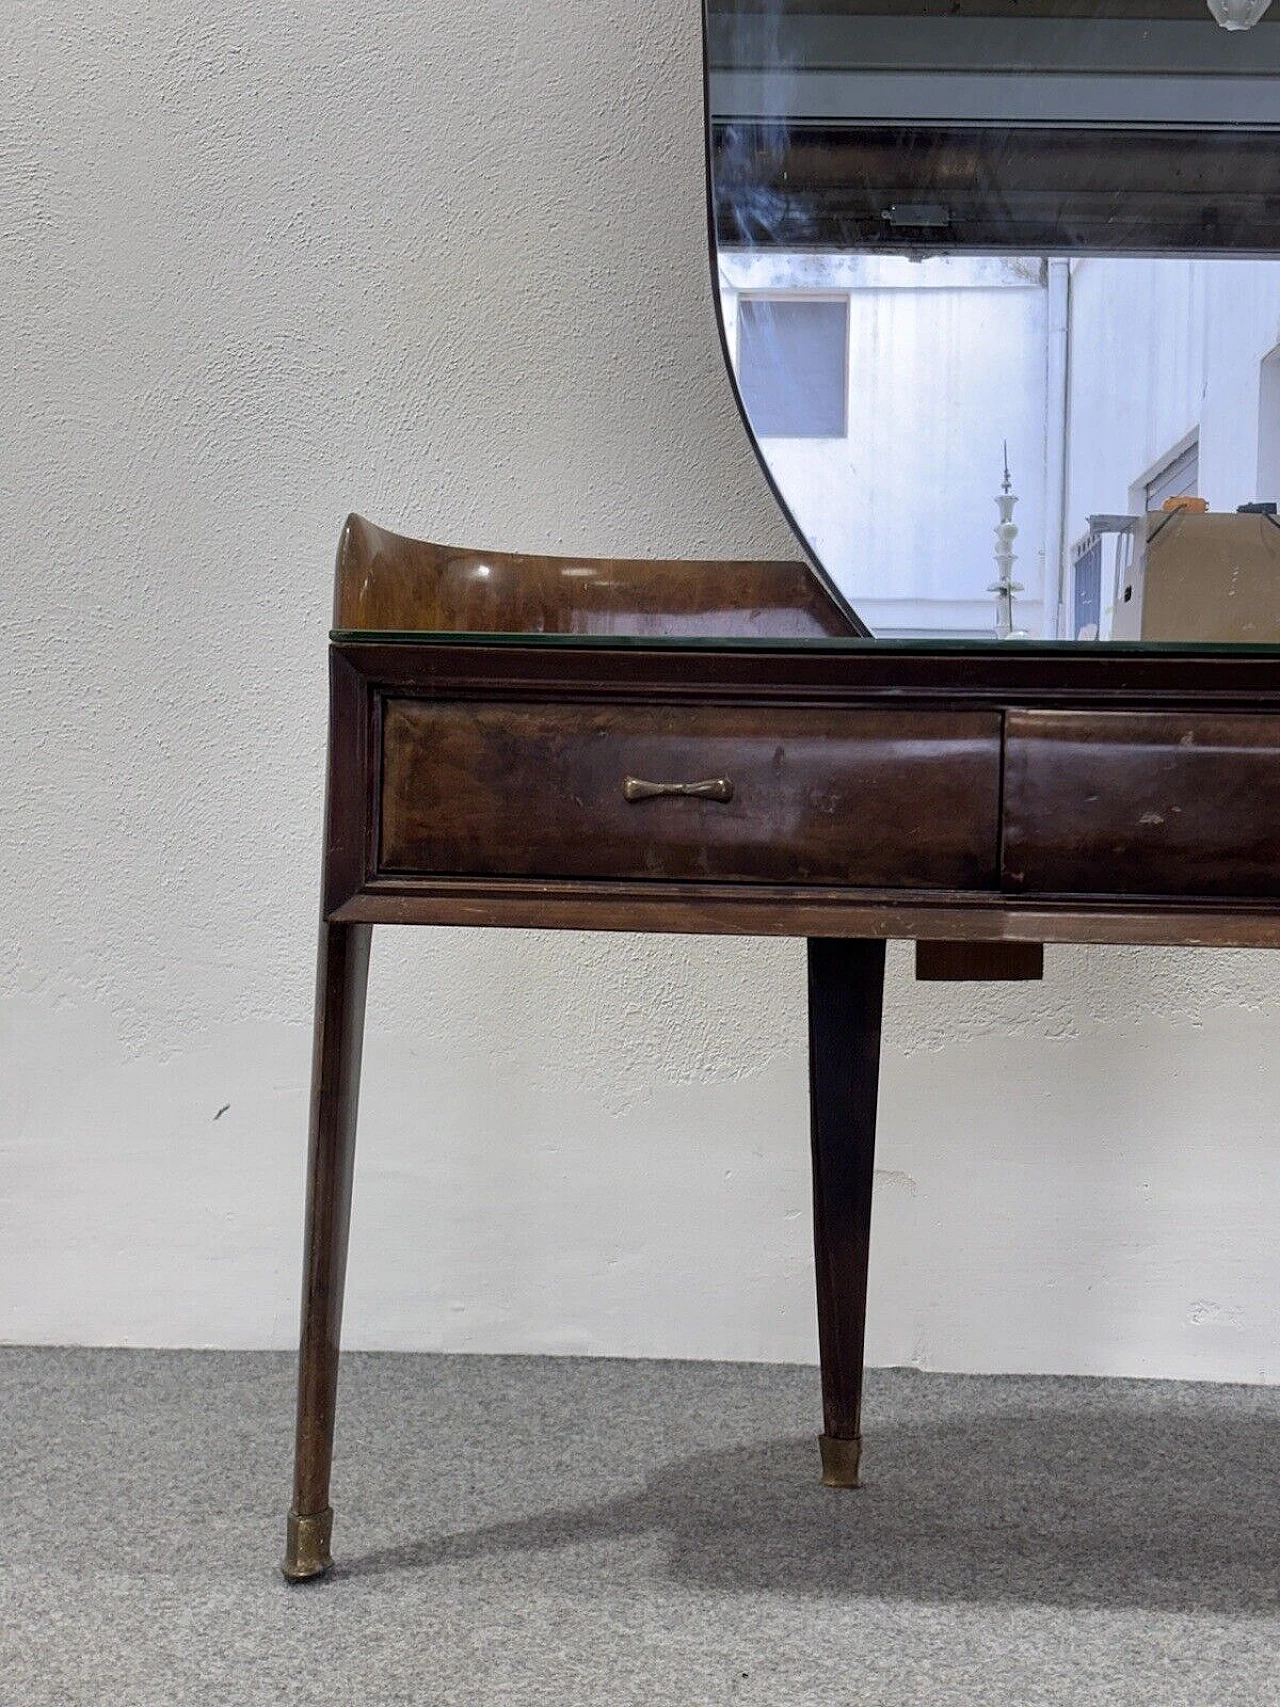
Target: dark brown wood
569,675
351,795
1168,803
341,981
813,796
707,909
385,582
977,962
846,996
493,770
1072,677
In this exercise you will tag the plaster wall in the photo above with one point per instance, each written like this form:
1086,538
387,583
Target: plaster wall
446,265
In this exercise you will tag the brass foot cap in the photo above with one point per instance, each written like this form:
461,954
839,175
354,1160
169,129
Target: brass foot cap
841,1461
306,1552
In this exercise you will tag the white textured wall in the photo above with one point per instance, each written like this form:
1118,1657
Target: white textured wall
446,265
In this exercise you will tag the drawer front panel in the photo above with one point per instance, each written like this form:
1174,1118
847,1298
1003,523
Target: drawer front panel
880,799
1144,803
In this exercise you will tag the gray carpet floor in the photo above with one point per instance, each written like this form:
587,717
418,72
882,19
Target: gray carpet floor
569,1531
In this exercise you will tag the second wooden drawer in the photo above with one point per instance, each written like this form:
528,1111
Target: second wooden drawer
1142,803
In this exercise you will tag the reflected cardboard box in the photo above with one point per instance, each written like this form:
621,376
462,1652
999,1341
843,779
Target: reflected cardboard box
1209,577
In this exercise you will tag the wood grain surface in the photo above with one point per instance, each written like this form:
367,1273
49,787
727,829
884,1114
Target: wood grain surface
878,797
1146,803
387,582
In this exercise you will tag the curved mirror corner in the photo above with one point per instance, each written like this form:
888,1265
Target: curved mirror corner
1000,293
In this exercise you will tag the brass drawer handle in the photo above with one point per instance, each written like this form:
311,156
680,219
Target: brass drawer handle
715,788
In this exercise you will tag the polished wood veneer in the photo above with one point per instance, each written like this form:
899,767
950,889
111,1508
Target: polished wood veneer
387,581
404,840
1142,803
793,794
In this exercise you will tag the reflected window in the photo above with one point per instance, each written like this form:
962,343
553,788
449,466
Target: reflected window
1179,478
1086,558
793,357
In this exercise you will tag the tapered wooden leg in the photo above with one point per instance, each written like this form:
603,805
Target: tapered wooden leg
342,976
846,998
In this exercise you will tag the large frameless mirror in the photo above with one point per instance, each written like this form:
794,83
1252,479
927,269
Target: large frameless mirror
1001,296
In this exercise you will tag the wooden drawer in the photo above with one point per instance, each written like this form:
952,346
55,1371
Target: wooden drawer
881,799
1143,803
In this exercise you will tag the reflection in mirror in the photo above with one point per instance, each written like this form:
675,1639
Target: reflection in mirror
997,287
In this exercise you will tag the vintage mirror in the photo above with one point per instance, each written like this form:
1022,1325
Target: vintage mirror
1000,295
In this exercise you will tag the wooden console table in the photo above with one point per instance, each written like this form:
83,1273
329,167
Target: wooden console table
775,779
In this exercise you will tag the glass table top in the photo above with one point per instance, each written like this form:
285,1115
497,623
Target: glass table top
860,644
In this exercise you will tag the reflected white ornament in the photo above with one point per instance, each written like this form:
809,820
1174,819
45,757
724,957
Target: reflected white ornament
1238,14
1004,586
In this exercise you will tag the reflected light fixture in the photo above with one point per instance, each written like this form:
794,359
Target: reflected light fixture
1238,14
